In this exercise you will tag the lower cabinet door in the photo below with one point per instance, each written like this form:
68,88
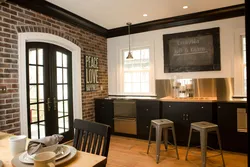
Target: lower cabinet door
147,110
143,126
176,112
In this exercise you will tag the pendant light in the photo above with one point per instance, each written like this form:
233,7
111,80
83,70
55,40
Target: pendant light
129,52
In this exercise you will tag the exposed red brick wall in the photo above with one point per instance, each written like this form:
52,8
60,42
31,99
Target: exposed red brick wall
14,19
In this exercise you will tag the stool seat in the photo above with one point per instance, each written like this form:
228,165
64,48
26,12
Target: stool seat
162,122
162,125
203,126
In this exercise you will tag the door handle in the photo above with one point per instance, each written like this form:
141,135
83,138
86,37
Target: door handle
55,104
48,103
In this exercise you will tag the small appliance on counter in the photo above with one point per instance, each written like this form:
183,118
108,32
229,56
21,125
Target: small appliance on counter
189,90
182,88
175,88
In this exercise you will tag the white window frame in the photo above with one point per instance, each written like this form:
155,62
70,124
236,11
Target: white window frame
151,72
243,65
238,63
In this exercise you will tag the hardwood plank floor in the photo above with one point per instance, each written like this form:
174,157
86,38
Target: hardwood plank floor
130,152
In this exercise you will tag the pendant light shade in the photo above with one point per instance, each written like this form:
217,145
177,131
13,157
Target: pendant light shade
129,52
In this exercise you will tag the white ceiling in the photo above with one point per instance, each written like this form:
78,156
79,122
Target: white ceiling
116,13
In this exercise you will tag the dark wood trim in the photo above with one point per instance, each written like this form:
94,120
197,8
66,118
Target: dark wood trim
210,15
59,13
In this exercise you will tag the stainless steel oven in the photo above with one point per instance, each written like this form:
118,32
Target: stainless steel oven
125,116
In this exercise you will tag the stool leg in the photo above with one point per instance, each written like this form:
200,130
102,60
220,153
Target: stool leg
149,137
173,132
165,137
189,140
158,143
203,138
219,142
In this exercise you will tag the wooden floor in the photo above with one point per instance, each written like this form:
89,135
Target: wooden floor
130,152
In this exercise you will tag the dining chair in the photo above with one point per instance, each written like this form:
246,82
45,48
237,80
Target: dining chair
92,137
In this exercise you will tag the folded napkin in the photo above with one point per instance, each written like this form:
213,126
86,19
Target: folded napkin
35,145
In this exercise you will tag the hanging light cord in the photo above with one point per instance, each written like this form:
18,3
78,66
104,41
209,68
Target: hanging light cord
129,36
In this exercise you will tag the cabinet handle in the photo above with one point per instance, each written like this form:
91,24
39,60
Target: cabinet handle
202,107
169,106
186,117
146,109
218,106
183,117
147,127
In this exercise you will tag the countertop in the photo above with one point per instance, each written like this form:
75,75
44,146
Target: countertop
190,99
131,97
171,99
236,100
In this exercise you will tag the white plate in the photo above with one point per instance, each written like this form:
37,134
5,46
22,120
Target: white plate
52,148
65,150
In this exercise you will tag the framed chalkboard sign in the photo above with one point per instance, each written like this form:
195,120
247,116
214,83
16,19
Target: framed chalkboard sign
192,51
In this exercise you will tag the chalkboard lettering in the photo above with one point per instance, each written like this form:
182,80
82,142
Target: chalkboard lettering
192,51
91,73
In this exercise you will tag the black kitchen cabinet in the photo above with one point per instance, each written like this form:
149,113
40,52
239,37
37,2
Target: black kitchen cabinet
104,112
232,140
183,114
147,110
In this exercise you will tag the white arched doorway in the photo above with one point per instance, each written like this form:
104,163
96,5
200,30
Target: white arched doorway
76,72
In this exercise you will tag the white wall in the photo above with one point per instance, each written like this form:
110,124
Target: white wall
229,28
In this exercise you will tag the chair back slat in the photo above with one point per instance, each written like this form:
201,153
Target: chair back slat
76,138
85,140
94,144
90,142
99,145
93,135
106,143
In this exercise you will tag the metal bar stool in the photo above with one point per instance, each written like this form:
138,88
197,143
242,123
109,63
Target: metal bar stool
162,125
204,127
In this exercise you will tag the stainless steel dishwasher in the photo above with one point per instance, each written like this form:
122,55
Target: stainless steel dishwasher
125,116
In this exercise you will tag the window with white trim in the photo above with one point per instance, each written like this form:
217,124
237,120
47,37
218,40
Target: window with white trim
243,41
136,72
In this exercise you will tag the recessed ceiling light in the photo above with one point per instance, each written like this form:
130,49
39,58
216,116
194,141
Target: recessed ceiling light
145,15
185,7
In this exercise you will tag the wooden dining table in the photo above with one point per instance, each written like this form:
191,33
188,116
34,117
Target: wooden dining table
81,159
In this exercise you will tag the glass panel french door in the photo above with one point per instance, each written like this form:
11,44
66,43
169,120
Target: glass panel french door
49,86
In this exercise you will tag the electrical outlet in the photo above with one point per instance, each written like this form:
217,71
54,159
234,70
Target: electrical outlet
3,89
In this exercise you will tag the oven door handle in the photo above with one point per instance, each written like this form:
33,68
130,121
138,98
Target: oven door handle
124,119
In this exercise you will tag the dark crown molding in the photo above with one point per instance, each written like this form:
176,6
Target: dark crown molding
59,13
210,15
